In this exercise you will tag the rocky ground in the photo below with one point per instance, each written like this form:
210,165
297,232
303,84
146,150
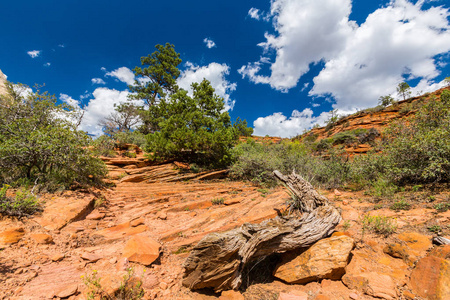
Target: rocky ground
155,214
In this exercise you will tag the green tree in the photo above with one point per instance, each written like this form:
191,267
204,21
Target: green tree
194,129
386,100
404,90
242,128
39,143
155,80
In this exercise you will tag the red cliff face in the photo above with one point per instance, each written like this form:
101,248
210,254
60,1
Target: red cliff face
378,118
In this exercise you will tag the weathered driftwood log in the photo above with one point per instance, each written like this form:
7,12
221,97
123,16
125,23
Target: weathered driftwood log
220,258
306,197
441,240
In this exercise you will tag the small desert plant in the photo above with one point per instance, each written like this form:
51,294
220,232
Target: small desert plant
435,229
217,201
442,207
400,205
378,224
23,204
346,225
130,288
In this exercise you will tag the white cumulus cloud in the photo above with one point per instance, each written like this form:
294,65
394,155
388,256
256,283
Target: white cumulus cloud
69,100
34,53
97,81
396,42
216,74
279,125
123,74
101,106
209,43
254,13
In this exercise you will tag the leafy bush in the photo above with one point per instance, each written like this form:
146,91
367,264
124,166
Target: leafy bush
23,204
217,201
256,162
419,151
103,146
39,143
400,205
378,224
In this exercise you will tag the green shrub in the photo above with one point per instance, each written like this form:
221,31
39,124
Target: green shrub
103,146
39,142
256,162
217,201
400,205
378,224
23,204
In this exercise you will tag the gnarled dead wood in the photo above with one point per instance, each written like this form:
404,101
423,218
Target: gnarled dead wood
306,197
219,259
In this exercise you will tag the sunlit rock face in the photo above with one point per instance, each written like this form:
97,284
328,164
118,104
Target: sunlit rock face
2,83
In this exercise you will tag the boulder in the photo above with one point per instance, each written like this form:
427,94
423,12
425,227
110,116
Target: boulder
11,236
431,278
95,215
288,296
120,231
326,259
231,295
142,250
42,238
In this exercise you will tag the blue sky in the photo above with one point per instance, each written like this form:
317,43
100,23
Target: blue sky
280,64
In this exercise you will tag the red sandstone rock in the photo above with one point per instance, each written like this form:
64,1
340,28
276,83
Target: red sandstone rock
231,295
142,250
431,278
42,238
11,236
325,259
288,296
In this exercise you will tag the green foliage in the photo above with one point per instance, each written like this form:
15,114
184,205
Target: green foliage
242,128
130,288
194,129
217,201
400,205
256,162
404,90
386,100
103,146
39,142
23,204
378,224
435,229
155,81
442,207
419,151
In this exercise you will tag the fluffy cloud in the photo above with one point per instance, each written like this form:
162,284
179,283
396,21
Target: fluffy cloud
395,42
278,124
362,62
97,81
209,43
308,31
254,13
213,72
101,106
34,53
123,74
69,100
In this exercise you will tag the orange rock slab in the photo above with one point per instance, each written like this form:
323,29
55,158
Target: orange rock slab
142,250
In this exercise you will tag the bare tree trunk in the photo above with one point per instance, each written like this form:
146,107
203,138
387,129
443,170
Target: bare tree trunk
219,259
